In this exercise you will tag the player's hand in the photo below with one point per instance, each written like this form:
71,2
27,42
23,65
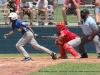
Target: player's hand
90,38
6,35
36,35
58,42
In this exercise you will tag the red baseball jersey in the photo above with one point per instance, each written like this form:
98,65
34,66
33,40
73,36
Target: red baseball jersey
70,1
18,2
68,35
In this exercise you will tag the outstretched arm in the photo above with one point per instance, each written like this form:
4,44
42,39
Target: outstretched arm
10,33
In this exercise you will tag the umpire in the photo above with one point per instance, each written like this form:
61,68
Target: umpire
90,31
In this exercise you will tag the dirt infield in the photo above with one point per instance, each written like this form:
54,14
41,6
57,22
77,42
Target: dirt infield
13,65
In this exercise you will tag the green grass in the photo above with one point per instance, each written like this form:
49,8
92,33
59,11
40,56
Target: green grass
36,54
70,69
18,55
58,16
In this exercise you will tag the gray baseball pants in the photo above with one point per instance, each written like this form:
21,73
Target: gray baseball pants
28,37
85,40
75,42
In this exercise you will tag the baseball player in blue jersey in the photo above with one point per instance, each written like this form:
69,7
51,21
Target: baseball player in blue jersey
90,31
28,37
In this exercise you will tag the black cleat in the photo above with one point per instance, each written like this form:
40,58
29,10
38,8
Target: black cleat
98,56
27,59
53,56
84,55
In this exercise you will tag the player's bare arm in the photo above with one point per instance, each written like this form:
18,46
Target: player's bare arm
76,4
58,40
61,37
8,34
30,29
93,34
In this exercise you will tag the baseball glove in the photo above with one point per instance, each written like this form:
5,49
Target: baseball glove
58,42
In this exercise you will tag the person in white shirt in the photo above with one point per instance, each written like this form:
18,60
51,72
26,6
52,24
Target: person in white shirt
41,7
26,8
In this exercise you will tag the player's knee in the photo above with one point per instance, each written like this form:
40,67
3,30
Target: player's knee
63,8
66,46
17,45
31,11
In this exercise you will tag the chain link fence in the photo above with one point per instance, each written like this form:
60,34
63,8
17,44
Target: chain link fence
71,13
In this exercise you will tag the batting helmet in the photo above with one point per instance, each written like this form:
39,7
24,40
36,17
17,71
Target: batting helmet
13,16
60,26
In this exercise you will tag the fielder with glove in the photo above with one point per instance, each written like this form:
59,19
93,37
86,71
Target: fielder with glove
66,41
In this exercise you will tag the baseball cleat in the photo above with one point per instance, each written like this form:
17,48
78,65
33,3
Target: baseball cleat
77,57
98,56
53,56
63,57
27,59
84,55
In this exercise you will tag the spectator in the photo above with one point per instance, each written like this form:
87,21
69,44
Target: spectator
90,31
41,7
83,2
18,6
5,17
13,6
74,5
53,3
26,8
93,2
97,11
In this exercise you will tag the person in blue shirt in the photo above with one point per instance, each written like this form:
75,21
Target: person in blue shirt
90,31
28,37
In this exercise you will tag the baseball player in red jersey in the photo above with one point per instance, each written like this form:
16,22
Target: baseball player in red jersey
66,41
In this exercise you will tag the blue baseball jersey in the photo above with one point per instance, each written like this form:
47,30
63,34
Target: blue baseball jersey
20,26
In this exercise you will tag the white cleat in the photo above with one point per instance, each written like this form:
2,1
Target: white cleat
46,24
37,24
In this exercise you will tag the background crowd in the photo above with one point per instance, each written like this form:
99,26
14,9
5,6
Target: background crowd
22,8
